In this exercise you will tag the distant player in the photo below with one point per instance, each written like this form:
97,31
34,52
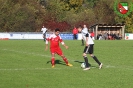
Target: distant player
84,32
44,30
54,40
89,50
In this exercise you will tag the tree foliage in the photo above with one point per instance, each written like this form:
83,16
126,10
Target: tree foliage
19,15
30,15
129,24
71,4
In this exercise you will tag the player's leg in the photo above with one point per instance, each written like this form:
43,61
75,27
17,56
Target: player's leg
53,60
65,60
44,37
59,52
86,58
52,57
94,57
82,40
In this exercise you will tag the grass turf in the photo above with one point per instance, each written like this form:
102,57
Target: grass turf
25,64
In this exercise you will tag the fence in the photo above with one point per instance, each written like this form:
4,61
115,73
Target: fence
32,35
38,35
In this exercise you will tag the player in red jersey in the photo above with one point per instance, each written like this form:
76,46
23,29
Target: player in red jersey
54,40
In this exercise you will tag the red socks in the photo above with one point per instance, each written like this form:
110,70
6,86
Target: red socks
53,61
66,61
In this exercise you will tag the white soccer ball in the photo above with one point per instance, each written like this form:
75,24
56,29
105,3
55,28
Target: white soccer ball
83,65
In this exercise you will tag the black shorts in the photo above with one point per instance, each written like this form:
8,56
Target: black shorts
44,35
88,49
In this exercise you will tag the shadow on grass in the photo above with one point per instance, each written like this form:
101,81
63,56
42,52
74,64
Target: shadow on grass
57,62
83,62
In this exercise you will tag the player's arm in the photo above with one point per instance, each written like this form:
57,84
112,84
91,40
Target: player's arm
64,45
62,42
87,39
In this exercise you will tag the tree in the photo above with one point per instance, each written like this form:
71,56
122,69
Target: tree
71,4
126,19
104,12
20,15
129,24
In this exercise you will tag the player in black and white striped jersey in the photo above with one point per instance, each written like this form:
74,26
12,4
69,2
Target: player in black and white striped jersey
89,50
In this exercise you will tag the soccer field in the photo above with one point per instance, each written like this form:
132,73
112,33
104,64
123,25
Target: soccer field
25,64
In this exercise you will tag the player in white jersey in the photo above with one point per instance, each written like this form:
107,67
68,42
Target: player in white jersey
89,50
84,32
44,30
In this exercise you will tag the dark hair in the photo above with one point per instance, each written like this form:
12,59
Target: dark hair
57,29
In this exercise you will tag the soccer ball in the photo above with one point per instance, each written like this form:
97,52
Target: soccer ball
83,65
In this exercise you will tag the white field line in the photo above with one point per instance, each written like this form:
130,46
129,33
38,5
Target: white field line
26,53
24,69
16,69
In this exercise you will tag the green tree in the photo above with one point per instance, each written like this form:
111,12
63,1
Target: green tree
129,24
127,19
104,11
20,15
54,11
71,4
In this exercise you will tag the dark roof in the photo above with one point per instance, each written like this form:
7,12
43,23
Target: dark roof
107,25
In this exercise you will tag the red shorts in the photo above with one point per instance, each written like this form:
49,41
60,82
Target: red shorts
56,50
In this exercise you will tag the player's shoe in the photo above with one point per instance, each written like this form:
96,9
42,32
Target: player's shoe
53,66
100,66
86,69
69,64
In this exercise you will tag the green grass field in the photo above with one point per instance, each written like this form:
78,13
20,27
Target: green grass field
25,64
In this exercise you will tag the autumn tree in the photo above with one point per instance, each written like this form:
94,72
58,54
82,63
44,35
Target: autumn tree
104,11
30,15
20,15
129,24
68,5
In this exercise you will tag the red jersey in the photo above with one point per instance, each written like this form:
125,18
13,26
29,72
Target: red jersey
75,31
54,41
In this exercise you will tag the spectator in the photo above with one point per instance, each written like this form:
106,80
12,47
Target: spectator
92,35
105,36
100,36
75,32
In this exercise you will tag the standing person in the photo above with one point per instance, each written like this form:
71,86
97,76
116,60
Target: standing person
84,32
44,30
75,32
54,40
89,50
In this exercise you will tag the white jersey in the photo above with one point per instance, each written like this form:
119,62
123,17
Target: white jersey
90,40
84,31
44,30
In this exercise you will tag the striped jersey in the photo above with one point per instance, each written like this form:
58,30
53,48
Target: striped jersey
90,40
